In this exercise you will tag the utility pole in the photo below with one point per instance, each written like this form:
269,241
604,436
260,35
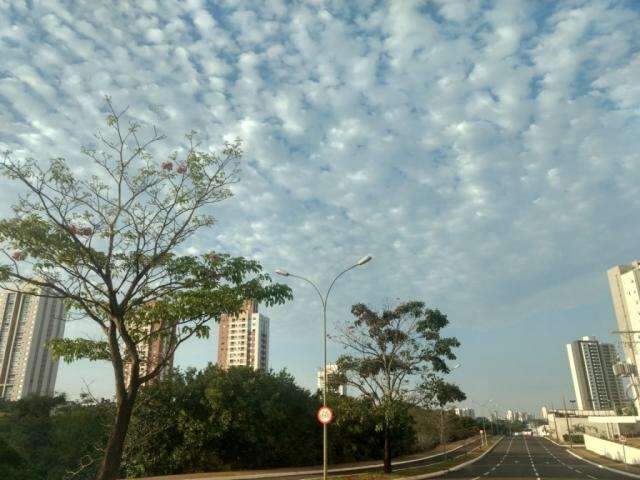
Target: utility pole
566,416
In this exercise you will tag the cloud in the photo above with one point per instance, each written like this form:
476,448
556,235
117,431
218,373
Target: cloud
484,154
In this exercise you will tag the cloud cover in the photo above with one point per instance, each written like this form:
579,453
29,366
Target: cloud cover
484,152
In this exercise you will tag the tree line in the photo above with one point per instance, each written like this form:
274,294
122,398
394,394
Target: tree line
110,244
211,419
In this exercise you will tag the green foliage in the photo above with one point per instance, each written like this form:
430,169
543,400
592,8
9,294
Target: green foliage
12,464
71,349
237,419
573,438
196,421
45,438
434,391
107,242
355,433
212,419
387,353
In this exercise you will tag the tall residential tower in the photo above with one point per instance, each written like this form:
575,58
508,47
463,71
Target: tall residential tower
154,352
244,339
624,282
595,384
28,323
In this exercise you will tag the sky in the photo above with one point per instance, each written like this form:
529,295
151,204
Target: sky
485,153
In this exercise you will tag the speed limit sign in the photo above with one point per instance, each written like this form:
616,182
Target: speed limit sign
325,415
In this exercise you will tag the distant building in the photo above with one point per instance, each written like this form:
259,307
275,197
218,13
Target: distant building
28,323
511,415
595,385
624,283
331,370
465,412
244,339
544,411
153,352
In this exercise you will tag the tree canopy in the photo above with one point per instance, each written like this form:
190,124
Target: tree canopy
388,353
111,243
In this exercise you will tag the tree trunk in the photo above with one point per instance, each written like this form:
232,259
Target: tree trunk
110,467
387,452
442,437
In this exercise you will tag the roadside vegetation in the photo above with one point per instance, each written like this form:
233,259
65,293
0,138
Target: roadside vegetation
194,421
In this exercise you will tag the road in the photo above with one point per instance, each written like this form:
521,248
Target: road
531,457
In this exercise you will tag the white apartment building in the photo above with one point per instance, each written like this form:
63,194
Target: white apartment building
28,323
624,282
464,412
244,339
332,368
594,382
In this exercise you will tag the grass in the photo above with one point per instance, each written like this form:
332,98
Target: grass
409,472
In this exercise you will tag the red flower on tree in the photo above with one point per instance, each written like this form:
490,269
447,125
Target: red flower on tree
167,166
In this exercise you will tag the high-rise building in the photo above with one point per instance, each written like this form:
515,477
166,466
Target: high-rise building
464,412
152,353
332,368
545,412
511,415
595,384
244,339
624,282
29,321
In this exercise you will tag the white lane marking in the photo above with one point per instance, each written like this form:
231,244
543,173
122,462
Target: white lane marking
499,463
569,466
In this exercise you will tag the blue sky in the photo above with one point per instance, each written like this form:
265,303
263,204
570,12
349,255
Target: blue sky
484,152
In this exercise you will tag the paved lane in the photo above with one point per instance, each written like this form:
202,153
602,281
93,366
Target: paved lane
532,458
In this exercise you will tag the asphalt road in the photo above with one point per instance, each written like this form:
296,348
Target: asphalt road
531,457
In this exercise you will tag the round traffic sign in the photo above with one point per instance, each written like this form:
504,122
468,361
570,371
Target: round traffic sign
325,415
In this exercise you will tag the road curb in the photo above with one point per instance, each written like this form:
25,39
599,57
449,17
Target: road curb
556,443
621,472
457,467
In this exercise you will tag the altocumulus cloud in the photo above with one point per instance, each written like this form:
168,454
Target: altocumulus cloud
485,152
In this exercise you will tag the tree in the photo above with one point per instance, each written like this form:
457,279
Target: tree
216,419
56,439
387,353
434,391
108,243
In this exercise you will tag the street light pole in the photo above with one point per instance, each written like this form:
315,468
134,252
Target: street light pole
323,300
566,416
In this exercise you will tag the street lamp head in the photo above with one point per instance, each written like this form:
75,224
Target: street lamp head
284,273
363,260
457,365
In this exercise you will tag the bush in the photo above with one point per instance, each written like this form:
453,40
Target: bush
47,438
575,438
